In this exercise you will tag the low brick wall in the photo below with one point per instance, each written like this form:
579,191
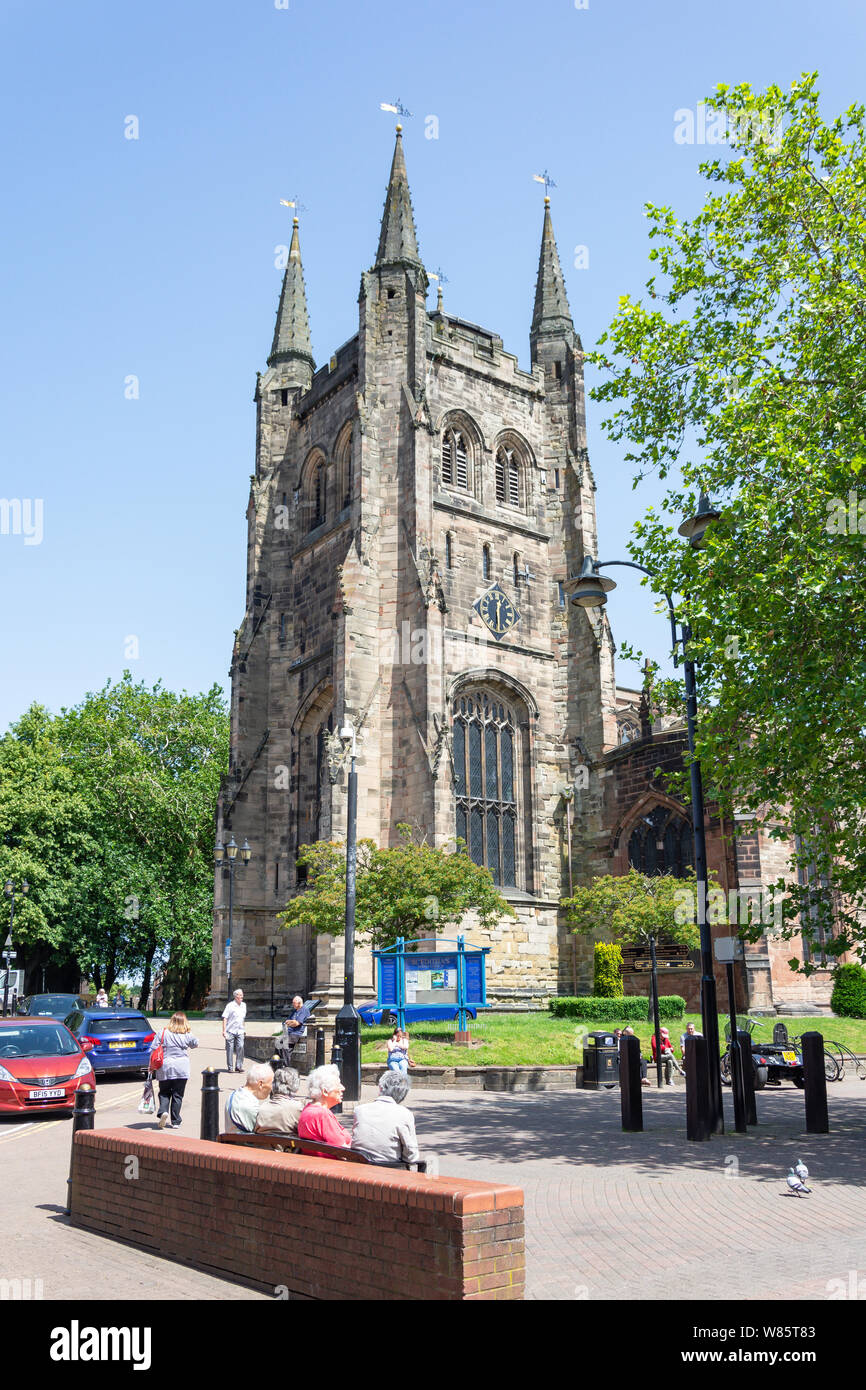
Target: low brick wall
484,1078
316,1227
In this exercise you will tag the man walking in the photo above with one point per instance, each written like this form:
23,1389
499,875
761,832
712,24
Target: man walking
234,1015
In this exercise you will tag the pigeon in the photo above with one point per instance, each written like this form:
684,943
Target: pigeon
801,1170
795,1184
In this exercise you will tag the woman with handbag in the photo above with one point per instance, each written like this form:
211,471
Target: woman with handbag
169,1059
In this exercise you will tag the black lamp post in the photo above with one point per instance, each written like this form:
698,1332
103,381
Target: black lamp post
225,857
347,1025
272,952
591,591
8,952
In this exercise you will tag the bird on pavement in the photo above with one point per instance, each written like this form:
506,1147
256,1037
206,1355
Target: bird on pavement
795,1184
801,1170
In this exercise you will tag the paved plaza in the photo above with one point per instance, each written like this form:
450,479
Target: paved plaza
608,1215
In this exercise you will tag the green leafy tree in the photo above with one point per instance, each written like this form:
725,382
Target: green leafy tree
409,891
607,970
630,907
743,373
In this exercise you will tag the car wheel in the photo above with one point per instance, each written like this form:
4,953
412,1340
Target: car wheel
760,1078
799,1079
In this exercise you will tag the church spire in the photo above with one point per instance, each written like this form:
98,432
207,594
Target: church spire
397,240
292,332
551,316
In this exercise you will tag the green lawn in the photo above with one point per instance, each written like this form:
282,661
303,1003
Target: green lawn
538,1039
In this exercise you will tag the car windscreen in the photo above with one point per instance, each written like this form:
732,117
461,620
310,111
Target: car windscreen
41,1040
55,1004
109,1027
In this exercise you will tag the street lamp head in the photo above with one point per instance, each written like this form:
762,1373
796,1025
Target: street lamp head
347,733
25,886
592,588
232,850
695,527
246,852
218,851
272,950
7,887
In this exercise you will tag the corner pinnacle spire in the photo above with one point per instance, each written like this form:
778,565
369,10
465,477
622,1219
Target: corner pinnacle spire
292,332
551,315
397,240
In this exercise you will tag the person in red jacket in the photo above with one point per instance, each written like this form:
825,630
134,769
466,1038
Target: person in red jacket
325,1091
668,1057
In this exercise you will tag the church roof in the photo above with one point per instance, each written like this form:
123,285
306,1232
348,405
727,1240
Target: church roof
292,331
397,239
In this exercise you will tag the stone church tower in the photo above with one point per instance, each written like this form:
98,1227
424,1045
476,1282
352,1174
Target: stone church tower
418,505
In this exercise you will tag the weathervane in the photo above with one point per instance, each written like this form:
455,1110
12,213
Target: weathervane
293,203
546,180
396,107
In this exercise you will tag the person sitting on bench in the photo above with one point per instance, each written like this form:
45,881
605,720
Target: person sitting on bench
384,1130
280,1112
294,1029
325,1091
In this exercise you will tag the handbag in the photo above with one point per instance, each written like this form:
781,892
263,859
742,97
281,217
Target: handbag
147,1104
157,1056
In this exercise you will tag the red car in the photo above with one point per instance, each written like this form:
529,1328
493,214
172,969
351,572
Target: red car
42,1065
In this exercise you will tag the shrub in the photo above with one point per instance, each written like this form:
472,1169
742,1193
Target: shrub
612,1010
848,999
607,974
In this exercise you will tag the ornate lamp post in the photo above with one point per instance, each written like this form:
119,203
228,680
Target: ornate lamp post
272,952
347,1025
591,591
8,953
225,857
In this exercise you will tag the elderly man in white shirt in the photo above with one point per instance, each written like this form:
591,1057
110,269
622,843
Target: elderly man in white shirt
234,1016
384,1130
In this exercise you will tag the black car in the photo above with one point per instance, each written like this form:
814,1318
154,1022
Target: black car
48,1005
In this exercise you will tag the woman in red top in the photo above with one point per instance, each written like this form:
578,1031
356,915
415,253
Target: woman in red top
325,1091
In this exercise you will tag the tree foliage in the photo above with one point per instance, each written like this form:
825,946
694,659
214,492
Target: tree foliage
108,810
631,907
410,890
743,373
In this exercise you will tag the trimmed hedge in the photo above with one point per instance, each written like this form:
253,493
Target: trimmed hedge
607,972
848,999
671,1006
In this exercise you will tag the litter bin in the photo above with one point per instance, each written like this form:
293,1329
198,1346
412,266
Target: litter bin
600,1061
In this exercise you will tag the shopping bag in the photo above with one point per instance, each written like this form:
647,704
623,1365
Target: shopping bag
147,1104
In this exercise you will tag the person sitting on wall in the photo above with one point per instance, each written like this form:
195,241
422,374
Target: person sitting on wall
384,1130
242,1106
325,1091
294,1029
280,1112
667,1053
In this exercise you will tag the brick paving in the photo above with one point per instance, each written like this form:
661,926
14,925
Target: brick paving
608,1215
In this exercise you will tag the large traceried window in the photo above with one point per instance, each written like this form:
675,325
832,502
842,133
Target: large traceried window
486,777
662,843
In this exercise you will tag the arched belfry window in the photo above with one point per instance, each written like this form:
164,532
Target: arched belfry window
661,843
485,743
507,477
343,467
455,460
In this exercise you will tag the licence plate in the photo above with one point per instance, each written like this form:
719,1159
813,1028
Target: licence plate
789,1056
46,1095
131,1044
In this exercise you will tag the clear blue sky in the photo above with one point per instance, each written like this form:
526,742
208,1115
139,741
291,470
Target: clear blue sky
155,257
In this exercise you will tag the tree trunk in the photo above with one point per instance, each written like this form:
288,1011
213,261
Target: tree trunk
145,979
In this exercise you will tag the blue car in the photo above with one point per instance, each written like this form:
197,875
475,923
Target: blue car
120,1039
415,1013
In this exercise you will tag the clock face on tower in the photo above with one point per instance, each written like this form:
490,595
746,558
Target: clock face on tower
497,612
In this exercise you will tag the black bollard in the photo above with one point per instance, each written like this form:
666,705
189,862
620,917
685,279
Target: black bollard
817,1119
320,1047
337,1061
748,1077
210,1104
631,1099
698,1120
83,1117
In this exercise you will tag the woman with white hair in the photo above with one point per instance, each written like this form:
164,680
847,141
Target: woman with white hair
242,1107
279,1114
384,1130
325,1091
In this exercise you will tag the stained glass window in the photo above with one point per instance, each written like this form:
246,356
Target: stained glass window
483,743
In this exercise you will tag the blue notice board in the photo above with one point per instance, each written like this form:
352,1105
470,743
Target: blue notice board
412,980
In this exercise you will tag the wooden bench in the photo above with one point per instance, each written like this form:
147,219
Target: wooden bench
313,1148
